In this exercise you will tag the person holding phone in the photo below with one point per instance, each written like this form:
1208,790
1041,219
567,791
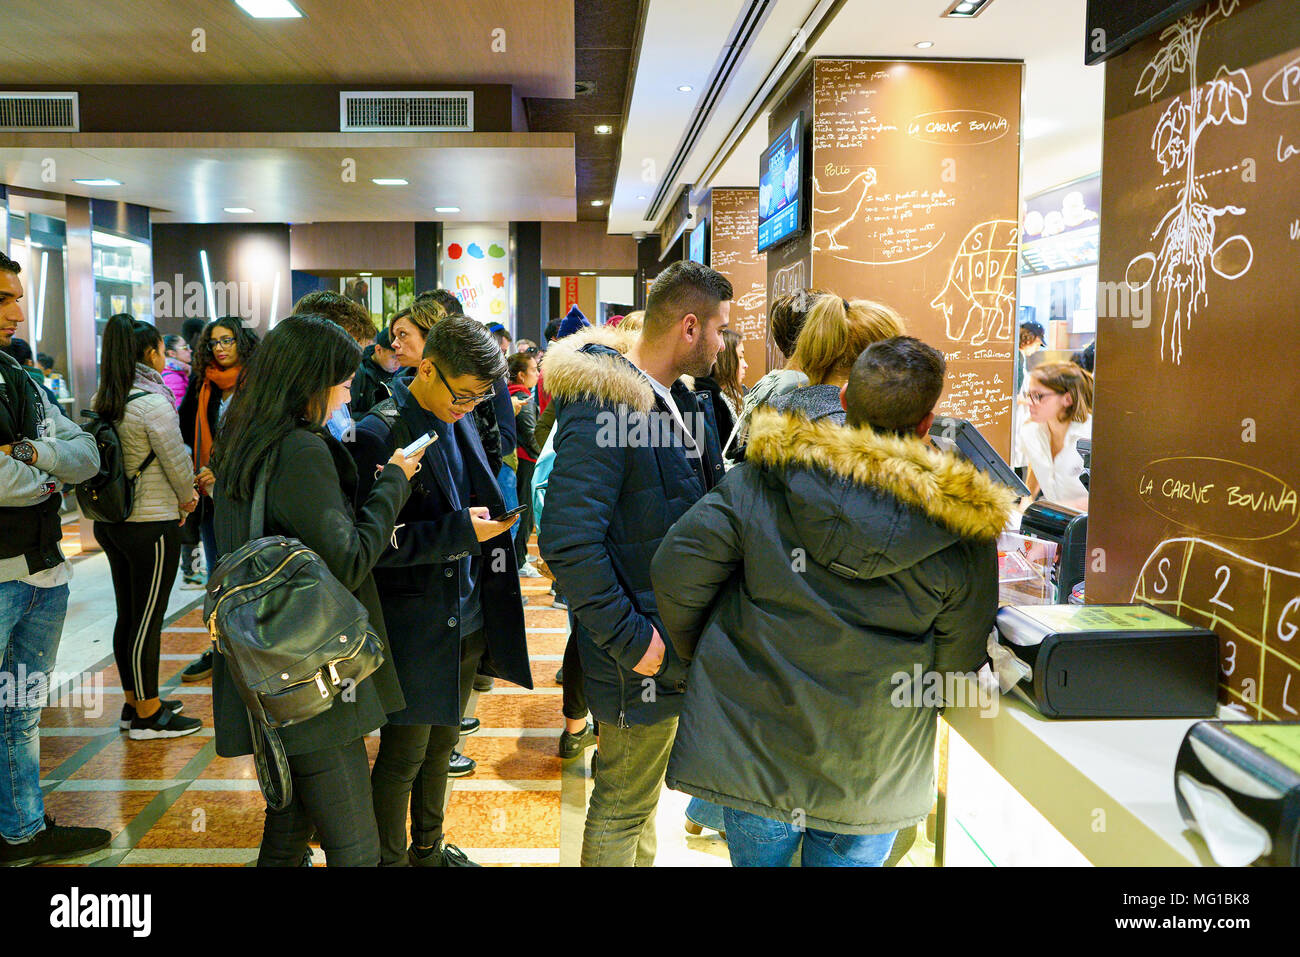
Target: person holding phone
449,588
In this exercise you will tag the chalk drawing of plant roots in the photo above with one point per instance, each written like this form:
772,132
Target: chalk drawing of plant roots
1187,232
979,299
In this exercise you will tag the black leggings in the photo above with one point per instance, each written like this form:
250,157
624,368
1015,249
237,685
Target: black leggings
524,488
331,796
142,558
411,769
575,696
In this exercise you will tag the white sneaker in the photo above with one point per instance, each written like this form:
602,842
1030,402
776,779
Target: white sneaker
528,571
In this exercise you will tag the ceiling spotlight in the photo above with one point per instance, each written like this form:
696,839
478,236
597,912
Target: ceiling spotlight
238,209
97,182
390,182
365,274
597,202
269,9
589,272
964,9
925,44
446,209
685,88
642,198
604,129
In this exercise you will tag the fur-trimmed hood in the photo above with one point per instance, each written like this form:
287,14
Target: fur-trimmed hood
591,364
899,500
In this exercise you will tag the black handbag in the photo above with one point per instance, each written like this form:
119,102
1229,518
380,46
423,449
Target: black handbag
292,637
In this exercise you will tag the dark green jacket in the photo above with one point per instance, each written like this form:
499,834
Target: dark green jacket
830,562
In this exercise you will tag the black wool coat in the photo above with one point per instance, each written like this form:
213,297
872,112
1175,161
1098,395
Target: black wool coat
419,579
309,497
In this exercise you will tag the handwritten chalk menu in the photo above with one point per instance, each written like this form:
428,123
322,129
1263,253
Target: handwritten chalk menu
734,252
1195,462
915,203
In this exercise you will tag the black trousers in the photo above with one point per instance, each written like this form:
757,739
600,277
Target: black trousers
524,487
331,796
411,770
575,696
142,558
191,549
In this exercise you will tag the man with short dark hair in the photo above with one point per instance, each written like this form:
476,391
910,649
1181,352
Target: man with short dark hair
40,448
793,719
448,585
634,449
371,384
348,313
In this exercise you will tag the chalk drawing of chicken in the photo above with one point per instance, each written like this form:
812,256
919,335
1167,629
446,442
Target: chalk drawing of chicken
979,300
844,210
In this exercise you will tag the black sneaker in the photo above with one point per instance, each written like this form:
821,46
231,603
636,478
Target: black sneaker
55,843
199,669
448,856
128,712
162,724
459,765
572,745
483,682
469,725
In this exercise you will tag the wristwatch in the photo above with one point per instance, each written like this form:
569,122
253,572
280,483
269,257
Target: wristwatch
24,452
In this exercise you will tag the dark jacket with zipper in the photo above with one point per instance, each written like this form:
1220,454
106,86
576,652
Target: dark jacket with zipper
369,386
419,580
828,564
190,405
610,500
309,497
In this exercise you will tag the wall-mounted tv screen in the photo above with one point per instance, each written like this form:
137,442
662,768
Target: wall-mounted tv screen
699,243
1115,25
780,187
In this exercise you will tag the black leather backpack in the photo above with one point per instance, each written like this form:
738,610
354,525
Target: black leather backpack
109,494
293,638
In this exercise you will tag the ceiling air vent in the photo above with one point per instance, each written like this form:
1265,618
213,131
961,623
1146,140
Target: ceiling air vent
39,112
407,112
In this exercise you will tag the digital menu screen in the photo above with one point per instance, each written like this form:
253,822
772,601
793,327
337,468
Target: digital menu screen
780,187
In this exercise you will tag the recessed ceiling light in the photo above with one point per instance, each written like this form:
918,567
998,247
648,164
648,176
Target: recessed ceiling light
925,44
365,274
685,88
587,273
641,198
390,182
446,209
597,202
238,209
97,182
965,9
269,9
604,129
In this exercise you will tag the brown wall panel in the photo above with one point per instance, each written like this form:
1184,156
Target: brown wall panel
915,203
733,251
573,247
1196,456
348,247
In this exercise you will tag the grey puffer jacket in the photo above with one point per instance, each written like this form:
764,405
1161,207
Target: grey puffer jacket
150,422
830,563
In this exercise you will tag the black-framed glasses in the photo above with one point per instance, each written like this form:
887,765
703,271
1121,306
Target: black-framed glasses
462,400
1037,397
225,342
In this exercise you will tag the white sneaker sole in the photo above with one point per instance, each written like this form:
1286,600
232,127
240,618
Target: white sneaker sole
149,734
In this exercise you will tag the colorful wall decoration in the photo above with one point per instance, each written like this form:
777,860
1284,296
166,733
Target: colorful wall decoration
476,267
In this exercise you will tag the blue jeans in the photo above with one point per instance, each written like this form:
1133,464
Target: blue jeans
705,814
761,842
31,623
507,482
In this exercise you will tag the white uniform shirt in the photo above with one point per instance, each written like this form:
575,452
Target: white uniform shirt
1059,477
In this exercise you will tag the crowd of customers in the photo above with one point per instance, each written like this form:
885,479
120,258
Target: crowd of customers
736,621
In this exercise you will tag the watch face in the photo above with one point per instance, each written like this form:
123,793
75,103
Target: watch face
24,452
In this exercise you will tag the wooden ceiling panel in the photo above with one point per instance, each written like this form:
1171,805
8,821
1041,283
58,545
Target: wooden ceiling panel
360,41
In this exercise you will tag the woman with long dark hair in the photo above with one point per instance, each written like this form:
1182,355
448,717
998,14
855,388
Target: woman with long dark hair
297,379
143,551
224,347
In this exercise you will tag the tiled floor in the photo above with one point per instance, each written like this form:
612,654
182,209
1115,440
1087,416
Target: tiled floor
175,803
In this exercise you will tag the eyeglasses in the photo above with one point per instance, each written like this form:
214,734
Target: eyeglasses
463,400
225,342
1037,397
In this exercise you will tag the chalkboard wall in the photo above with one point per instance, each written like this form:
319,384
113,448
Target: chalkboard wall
1195,466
